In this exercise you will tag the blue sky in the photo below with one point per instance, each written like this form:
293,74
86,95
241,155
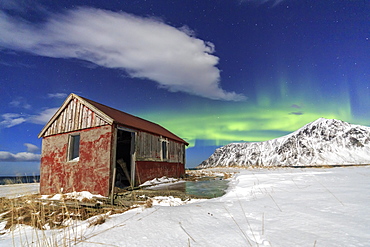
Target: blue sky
212,72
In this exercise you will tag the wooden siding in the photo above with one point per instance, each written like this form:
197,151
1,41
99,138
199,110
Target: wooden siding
75,116
176,152
149,148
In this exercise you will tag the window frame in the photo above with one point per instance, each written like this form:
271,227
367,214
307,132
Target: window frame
164,148
74,148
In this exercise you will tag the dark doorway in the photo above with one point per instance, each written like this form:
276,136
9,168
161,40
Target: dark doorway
124,151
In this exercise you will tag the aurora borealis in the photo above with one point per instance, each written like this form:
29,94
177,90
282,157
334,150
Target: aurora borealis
212,72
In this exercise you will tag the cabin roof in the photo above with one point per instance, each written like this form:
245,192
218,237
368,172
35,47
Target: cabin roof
111,115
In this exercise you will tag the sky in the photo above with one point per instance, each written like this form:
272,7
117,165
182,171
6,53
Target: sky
211,71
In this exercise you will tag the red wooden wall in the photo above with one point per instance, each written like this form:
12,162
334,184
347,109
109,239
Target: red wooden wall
148,170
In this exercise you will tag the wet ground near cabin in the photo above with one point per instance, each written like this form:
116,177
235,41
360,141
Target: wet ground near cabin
194,185
206,188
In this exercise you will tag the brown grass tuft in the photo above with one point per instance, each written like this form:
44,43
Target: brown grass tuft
93,200
148,203
43,214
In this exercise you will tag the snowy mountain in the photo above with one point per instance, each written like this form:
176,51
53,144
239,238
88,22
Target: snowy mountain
322,142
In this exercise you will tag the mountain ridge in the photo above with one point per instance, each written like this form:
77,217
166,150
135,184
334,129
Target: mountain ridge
319,143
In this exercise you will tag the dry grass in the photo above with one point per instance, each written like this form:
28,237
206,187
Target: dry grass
62,215
148,203
47,214
8,181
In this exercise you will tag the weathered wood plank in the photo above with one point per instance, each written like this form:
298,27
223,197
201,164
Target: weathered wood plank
93,118
75,120
80,113
84,117
89,118
63,121
69,116
54,127
74,116
73,123
149,148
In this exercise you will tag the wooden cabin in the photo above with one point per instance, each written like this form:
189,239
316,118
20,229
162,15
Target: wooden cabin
87,146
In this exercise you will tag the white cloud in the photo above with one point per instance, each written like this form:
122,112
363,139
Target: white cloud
22,156
143,47
31,148
20,102
43,117
57,95
12,119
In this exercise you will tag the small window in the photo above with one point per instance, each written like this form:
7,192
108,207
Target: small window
164,150
74,147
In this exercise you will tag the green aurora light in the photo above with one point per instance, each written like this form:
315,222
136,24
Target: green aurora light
273,113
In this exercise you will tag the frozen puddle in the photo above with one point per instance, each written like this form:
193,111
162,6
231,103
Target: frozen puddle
205,188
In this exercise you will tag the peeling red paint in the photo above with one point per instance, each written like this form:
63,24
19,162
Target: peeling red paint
91,172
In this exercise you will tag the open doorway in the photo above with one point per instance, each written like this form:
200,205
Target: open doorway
124,151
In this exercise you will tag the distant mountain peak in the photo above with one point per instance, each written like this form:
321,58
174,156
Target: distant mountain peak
321,142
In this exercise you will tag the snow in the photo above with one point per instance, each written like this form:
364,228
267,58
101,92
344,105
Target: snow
76,159
157,181
276,207
80,196
15,190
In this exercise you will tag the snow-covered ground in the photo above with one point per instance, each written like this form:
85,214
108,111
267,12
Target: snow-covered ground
281,207
13,190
